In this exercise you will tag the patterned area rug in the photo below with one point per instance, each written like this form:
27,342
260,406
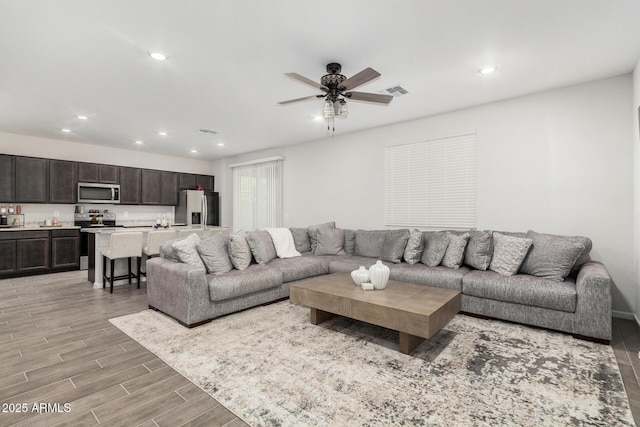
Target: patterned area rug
271,367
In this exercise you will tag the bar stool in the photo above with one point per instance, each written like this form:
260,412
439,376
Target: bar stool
154,240
186,232
122,245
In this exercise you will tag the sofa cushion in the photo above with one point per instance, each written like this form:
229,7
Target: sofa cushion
301,239
369,243
415,247
349,242
301,267
551,256
346,264
479,249
454,255
393,246
239,250
521,289
329,241
508,253
312,231
261,246
237,283
436,243
186,251
420,274
215,254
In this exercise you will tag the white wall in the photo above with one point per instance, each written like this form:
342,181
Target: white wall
557,162
635,113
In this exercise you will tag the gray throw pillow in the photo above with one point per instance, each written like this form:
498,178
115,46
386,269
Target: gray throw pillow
393,246
215,254
186,250
551,256
330,241
166,251
479,250
261,246
349,242
301,239
508,253
435,247
312,231
454,255
369,242
415,247
239,250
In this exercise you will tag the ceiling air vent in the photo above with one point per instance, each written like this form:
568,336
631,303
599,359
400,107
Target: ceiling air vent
212,132
395,91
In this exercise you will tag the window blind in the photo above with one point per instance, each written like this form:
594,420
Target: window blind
431,184
257,195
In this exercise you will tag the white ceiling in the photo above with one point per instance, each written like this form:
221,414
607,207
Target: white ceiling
61,58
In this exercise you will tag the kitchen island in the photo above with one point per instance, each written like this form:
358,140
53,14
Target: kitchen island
99,239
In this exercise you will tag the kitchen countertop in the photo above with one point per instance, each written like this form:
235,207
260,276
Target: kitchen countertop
37,228
109,230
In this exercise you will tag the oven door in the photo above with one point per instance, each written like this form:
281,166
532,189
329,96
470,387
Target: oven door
98,193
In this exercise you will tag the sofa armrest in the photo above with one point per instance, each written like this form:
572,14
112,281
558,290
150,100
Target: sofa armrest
177,289
593,309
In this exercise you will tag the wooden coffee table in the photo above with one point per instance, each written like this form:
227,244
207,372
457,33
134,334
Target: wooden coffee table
416,311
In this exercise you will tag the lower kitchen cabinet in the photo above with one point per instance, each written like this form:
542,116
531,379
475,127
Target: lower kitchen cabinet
36,252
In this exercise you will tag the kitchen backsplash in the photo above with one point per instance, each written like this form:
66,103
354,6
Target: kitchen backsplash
125,214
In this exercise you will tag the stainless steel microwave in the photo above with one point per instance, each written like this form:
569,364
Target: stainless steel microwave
98,193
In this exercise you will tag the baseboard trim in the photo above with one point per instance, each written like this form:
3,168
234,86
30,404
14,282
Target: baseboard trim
623,315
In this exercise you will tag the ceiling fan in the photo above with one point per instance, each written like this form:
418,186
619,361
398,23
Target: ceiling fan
337,88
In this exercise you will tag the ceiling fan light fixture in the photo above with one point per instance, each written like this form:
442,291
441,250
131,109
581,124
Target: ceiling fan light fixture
328,111
343,110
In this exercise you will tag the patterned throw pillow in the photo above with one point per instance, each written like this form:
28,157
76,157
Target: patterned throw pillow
239,250
415,247
479,250
215,254
454,255
186,251
393,246
435,248
508,253
261,246
330,241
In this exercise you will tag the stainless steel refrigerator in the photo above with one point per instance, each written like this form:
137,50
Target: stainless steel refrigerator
198,208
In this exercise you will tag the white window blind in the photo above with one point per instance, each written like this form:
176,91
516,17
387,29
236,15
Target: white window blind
257,195
431,184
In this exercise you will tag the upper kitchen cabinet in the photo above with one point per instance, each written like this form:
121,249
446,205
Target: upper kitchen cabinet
168,188
93,172
31,180
62,181
7,170
130,179
206,181
150,190
187,181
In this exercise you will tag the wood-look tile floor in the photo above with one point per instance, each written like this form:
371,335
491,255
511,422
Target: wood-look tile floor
58,347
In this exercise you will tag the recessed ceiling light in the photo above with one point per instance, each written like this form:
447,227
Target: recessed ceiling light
158,56
220,144
66,130
139,142
162,133
488,69
81,117
194,151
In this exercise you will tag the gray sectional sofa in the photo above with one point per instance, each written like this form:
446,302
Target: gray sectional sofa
555,285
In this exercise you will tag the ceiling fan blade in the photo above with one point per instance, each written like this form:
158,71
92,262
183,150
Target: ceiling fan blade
303,79
369,97
359,79
291,101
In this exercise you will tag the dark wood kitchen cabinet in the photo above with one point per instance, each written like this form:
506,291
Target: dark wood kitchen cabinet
32,249
8,259
94,172
130,179
168,188
32,179
7,170
65,249
206,181
63,186
150,189
187,181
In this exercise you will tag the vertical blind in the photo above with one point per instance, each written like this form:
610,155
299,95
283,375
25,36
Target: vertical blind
431,184
257,195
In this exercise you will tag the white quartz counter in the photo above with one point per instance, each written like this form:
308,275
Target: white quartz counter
109,230
38,228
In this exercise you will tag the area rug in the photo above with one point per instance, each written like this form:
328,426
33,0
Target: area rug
271,367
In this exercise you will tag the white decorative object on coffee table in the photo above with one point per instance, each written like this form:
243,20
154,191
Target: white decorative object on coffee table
360,275
379,275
